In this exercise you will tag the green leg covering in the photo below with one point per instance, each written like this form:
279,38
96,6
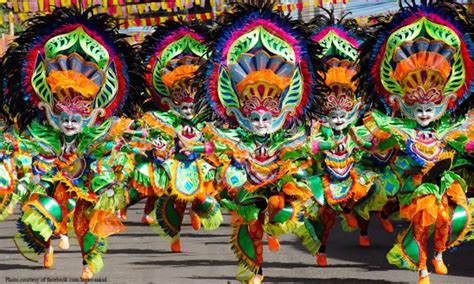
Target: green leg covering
283,221
39,221
406,253
246,240
209,212
461,225
308,233
7,203
169,216
92,249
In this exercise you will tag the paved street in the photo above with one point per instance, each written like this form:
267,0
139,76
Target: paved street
140,256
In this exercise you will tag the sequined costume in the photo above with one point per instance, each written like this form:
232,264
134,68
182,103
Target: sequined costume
69,72
171,174
421,67
259,87
339,183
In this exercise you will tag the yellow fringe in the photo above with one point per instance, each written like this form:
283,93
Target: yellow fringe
72,188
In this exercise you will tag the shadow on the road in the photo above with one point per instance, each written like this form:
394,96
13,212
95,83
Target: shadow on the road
137,251
282,243
305,280
209,262
201,235
136,235
4,266
4,251
6,237
374,258
140,224
186,263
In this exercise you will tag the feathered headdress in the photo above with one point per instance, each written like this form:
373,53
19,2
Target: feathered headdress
341,40
260,69
172,55
73,62
423,54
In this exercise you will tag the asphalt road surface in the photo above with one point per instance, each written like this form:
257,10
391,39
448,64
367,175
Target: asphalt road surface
140,256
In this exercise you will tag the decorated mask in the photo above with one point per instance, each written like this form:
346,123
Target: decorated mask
341,105
77,69
422,63
173,54
70,88
260,75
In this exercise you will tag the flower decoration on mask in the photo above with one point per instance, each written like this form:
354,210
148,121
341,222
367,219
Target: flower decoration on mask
341,105
260,80
260,75
74,84
178,77
421,64
173,55
342,89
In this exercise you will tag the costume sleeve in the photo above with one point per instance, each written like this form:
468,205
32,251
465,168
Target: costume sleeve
389,132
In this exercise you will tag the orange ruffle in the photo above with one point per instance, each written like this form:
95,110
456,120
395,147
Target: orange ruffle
120,126
69,79
373,128
143,190
267,76
105,223
292,189
456,194
427,205
179,73
423,60
153,122
341,76
276,202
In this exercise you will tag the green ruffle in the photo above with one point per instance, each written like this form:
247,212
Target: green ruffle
277,229
112,203
248,212
309,239
228,204
213,221
374,203
22,189
388,124
140,177
44,134
94,257
38,223
345,227
8,203
396,257
243,274
208,171
447,179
